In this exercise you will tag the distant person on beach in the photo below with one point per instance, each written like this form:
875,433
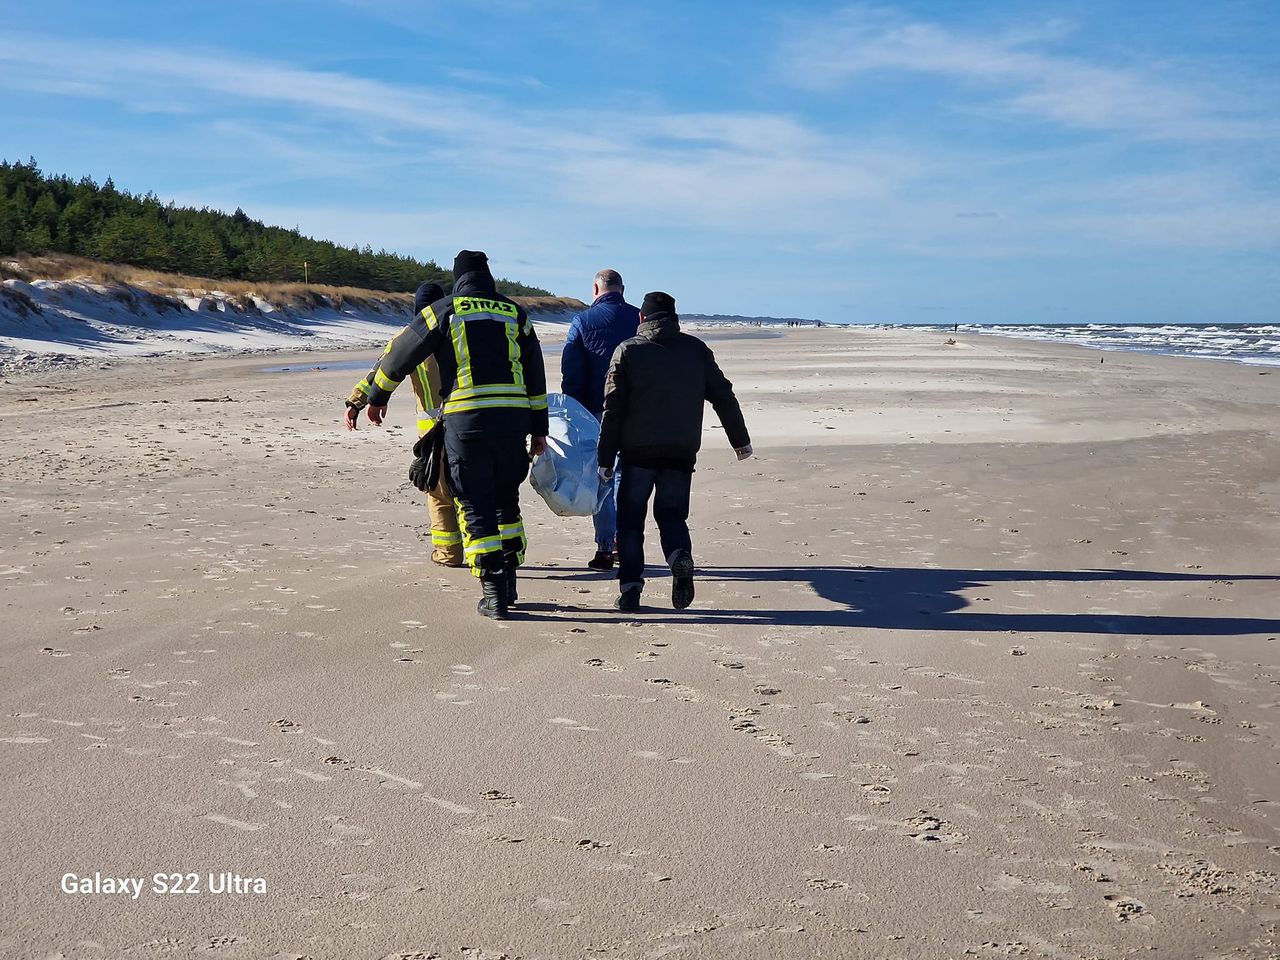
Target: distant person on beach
446,538
655,390
593,336
495,395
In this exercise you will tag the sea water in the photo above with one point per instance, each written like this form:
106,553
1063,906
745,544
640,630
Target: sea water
1257,343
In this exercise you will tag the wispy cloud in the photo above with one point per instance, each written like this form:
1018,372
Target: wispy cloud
1017,71
754,170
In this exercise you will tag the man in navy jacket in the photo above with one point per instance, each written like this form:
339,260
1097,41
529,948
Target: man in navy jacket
594,335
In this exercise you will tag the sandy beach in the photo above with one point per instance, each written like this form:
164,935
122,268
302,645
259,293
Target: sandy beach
983,664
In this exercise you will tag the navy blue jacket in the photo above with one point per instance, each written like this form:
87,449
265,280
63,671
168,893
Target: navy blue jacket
594,335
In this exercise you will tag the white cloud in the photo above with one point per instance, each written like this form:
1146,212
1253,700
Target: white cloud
1144,99
753,171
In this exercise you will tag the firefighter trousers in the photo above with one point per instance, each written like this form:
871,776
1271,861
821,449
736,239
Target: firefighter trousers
485,472
446,538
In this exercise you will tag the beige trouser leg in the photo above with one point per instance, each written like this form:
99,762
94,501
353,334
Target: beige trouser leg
446,540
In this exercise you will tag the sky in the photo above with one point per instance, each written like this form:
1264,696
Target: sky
912,162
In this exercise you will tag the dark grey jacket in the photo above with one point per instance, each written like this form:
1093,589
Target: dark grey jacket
654,393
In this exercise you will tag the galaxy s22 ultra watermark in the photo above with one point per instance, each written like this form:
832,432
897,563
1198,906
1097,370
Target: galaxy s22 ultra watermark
222,883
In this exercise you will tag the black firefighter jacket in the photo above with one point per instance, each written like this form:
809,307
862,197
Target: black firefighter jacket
491,374
654,393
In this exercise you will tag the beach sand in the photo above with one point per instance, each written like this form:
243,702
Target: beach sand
982,664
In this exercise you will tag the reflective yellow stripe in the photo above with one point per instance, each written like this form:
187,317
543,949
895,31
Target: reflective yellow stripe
513,354
461,352
364,387
513,403
429,316
538,402
445,538
487,390
463,306
387,348
483,545
514,531
425,423
385,382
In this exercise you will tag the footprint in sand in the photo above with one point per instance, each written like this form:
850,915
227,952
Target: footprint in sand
502,799
822,883
1126,909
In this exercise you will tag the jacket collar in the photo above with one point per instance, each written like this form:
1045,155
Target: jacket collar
659,325
609,296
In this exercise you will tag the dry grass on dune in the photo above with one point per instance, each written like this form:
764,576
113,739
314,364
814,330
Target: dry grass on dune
66,267
297,295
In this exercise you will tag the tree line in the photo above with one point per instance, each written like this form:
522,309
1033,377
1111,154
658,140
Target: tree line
41,213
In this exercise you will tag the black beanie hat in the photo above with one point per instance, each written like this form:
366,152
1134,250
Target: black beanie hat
658,302
426,295
469,261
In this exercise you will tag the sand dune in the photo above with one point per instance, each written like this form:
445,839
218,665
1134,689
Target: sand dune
983,663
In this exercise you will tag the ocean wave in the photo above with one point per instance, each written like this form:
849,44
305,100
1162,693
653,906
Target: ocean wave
1237,342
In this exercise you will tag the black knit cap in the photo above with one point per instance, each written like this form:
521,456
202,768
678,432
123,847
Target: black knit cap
658,302
469,261
426,295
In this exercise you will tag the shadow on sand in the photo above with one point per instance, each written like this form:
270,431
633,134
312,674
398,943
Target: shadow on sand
914,598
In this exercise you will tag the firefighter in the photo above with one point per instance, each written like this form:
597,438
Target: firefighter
495,394
446,537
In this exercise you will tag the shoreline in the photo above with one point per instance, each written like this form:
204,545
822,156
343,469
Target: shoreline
552,332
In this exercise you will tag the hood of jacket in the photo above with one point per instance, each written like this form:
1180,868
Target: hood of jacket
474,282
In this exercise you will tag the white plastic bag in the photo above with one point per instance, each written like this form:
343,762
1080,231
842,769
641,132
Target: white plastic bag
565,476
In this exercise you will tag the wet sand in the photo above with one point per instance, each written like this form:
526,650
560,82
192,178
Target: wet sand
983,663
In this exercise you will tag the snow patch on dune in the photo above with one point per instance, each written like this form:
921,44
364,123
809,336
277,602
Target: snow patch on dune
47,324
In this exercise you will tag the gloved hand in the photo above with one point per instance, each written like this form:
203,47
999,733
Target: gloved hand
743,452
605,474
418,473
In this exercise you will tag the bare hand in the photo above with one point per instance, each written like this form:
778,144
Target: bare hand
743,452
376,414
537,446
350,417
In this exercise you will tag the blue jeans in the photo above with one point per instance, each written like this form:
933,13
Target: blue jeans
670,492
606,515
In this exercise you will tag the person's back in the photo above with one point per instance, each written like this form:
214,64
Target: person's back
666,376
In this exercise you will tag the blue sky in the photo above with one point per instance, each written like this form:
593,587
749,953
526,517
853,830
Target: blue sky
909,162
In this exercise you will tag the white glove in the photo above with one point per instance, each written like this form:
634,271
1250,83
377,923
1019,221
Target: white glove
605,473
743,452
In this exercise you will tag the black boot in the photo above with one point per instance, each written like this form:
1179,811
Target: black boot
494,602
509,575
